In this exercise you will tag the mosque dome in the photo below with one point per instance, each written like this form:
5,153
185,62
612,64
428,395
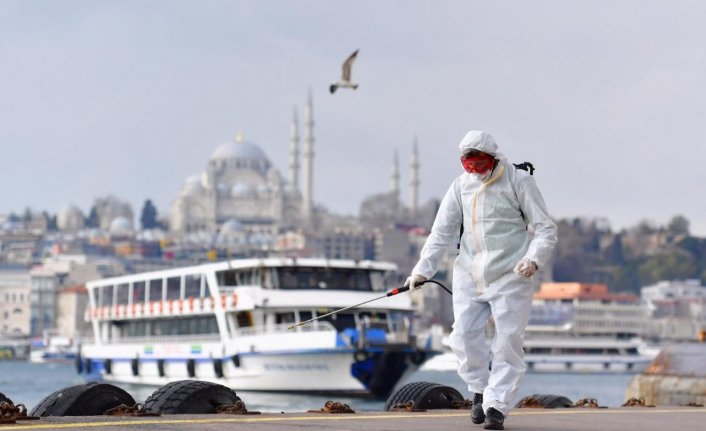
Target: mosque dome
243,190
120,226
240,150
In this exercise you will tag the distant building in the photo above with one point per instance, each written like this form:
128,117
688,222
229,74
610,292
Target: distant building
677,309
333,244
70,219
71,305
14,300
575,309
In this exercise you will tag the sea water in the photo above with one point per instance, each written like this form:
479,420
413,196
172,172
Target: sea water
28,384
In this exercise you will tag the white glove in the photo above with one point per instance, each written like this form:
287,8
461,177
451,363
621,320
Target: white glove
525,267
415,281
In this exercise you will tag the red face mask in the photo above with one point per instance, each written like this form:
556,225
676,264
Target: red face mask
478,164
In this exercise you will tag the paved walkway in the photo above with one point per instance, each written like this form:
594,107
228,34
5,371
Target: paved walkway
574,419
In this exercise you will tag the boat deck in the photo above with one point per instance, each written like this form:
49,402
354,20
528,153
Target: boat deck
575,419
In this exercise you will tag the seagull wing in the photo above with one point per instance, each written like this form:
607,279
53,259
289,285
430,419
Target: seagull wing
347,66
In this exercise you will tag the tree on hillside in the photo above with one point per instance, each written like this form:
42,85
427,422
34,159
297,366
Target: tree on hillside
148,218
678,226
92,220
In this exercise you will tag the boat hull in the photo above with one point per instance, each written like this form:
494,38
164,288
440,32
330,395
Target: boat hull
373,371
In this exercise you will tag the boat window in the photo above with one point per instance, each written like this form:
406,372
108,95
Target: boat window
632,350
155,292
123,294
192,286
244,319
236,277
377,319
183,326
324,278
173,288
340,321
377,280
107,299
305,315
287,317
138,292
135,329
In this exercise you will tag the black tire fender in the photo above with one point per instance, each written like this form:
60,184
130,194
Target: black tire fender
191,368
135,366
425,395
236,360
108,366
160,367
218,367
548,401
190,397
88,399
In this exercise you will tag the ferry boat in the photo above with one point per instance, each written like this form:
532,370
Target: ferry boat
53,347
586,354
231,323
571,354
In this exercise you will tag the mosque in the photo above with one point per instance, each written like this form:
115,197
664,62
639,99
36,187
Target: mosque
242,190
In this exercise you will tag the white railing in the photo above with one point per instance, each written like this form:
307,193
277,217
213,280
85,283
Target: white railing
283,328
166,339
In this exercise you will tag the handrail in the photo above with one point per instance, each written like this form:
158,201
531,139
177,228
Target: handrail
282,328
166,338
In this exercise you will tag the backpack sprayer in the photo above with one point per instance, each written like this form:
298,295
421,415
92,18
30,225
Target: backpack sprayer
393,292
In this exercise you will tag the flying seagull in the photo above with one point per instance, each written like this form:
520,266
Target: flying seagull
345,81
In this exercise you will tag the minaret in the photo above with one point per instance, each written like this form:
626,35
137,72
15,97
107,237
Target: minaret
294,152
414,181
395,182
308,159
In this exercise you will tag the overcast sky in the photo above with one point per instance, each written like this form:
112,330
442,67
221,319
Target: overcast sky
606,98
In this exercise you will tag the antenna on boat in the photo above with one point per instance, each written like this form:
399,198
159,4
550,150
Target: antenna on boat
393,292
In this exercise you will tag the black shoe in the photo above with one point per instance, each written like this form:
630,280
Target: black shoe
477,415
494,420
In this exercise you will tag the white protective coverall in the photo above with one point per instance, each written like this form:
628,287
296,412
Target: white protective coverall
495,238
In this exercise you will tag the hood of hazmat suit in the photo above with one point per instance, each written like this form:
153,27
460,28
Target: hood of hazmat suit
495,212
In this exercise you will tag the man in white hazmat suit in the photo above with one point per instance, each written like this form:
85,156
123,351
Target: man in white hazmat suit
493,274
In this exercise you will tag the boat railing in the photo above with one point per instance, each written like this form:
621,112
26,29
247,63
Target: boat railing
166,339
283,328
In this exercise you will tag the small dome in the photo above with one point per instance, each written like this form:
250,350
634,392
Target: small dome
222,189
192,186
120,226
243,190
231,226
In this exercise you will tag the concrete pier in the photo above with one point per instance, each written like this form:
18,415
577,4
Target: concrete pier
574,419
